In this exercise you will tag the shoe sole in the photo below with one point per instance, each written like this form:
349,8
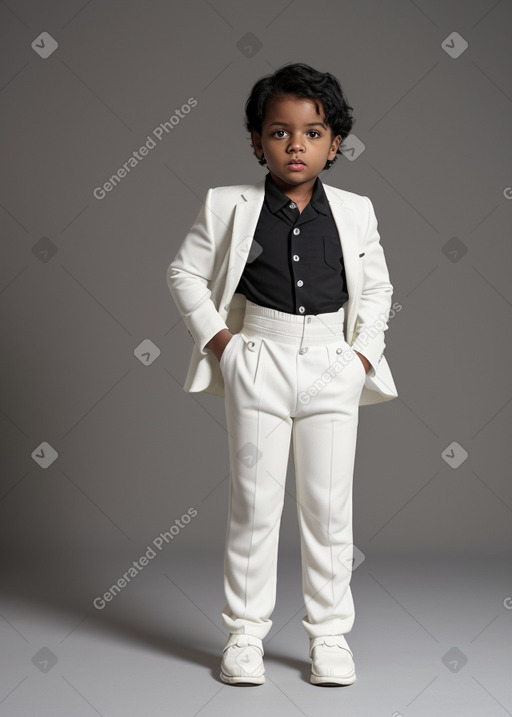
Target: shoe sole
242,680
333,681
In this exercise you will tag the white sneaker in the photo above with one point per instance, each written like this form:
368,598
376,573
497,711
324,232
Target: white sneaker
242,661
332,661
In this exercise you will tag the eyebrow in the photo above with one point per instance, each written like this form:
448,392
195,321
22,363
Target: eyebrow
309,124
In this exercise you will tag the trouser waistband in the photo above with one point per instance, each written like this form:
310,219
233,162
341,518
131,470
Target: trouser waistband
293,328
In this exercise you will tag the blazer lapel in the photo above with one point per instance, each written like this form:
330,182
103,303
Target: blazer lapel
247,213
346,224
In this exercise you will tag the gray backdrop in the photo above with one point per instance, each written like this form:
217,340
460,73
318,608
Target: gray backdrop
102,449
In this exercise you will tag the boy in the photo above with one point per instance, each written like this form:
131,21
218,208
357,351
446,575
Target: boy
284,288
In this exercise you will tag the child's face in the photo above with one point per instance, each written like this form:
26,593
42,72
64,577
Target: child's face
292,129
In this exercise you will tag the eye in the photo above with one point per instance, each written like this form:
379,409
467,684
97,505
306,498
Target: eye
313,131
282,131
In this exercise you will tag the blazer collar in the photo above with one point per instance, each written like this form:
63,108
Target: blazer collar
255,191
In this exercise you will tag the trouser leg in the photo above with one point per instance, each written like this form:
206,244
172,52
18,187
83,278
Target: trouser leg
256,398
324,444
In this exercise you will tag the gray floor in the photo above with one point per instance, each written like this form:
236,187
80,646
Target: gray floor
432,638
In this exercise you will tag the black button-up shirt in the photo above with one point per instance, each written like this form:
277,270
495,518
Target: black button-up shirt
295,262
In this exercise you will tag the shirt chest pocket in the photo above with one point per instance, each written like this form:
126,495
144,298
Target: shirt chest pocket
332,252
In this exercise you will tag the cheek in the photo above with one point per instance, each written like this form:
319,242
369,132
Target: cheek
272,150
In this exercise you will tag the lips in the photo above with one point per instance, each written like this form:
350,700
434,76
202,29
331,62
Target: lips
296,161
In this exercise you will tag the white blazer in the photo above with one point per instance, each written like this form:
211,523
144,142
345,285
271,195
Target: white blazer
205,272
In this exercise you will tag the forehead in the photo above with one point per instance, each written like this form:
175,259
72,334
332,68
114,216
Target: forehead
293,110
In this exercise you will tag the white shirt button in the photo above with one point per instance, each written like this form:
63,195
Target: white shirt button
302,309
296,257
292,205
303,350
296,231
300,282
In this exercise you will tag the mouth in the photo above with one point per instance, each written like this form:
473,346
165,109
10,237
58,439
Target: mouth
296,165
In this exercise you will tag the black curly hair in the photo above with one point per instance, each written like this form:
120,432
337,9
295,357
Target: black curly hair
302,81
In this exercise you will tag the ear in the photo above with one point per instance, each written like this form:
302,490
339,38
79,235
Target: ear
334,146
256,141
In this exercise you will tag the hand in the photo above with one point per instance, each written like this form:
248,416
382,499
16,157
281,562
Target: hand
224,346
367,365
219,342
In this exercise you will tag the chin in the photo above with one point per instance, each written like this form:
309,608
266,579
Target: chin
295,177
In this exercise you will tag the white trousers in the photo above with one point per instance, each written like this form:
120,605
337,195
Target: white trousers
290,376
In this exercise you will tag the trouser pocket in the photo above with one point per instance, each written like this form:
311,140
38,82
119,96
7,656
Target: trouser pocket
241,360
346,365
359,362
228,349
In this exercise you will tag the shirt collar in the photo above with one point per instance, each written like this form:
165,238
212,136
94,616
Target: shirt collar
276,199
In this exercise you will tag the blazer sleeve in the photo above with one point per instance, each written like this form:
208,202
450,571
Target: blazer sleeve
375,299
190,275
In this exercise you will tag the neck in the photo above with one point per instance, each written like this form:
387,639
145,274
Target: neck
301,194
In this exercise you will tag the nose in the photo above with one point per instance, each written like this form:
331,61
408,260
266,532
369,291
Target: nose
295,144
